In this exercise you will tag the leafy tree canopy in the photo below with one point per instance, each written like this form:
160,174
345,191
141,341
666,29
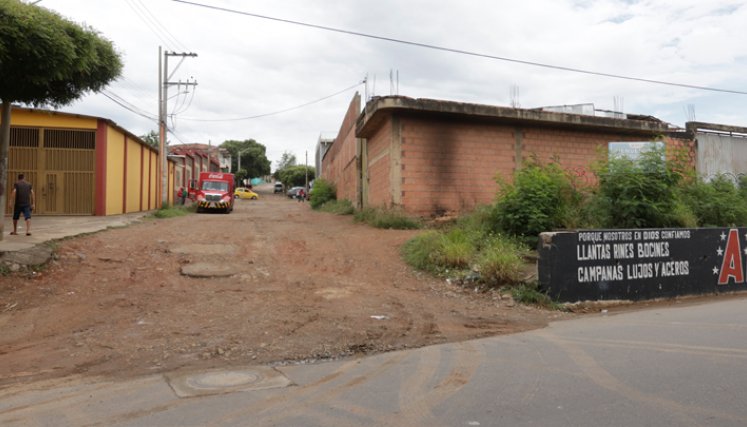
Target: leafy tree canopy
253,157
286,160
152,138
46,59
294,176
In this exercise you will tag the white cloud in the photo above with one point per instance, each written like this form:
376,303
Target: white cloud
249,66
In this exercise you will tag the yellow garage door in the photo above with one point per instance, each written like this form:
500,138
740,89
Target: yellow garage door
59,163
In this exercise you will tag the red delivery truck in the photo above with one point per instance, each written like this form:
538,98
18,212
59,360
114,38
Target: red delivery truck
215,192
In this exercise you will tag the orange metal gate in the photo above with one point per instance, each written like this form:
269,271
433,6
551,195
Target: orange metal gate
59,163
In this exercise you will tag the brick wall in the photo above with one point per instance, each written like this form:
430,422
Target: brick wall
575,150
452,165
378,171
340,163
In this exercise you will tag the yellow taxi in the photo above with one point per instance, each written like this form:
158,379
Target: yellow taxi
245,193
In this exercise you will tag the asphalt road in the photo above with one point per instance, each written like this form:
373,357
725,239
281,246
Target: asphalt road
682,366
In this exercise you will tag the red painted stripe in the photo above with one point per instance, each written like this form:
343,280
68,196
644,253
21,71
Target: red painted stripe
142,176
100,178
150,177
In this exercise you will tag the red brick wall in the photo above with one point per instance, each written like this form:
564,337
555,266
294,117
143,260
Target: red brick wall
451,165
379,168
340,164
575,150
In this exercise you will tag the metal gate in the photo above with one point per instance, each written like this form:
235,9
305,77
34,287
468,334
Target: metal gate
59,164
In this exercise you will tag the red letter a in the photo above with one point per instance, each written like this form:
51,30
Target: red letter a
731,266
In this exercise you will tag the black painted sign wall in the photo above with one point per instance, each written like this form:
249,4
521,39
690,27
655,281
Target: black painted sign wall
642,263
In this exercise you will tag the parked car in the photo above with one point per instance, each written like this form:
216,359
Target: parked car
245,193
278,187
293,192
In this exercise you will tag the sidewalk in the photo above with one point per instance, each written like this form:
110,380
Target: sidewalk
48,228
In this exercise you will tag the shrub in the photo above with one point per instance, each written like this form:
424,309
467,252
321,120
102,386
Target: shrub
323,192
716,203
479,222
456,250
383,218
423,251
338,207
639,194
173,211
497,259
531,295
501,261
541,198
742,184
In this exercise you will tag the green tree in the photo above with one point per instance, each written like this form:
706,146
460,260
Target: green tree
717,203
152,138
641,193
253,157
286,160
295,176
46,60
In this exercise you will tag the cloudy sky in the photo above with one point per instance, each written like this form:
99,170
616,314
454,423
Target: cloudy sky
250,66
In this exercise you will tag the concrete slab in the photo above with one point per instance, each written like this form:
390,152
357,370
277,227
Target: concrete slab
25,249
226,381
207,269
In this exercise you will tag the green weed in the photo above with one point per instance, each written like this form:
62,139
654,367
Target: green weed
529,294
323,192
385,218
174,211
338,207
423,251
501,261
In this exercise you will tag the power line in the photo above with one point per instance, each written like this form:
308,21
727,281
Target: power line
275,112
171,131
161,26
153,24
463,52
127,106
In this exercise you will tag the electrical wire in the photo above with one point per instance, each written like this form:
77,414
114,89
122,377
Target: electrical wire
152,26
463,52
128,106
158,23
171,131
306,104
182,108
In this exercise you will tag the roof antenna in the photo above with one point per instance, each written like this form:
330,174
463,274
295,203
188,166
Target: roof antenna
690,112
618,106
514,96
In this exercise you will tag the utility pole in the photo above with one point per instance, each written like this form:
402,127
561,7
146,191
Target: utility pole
306,169
163,97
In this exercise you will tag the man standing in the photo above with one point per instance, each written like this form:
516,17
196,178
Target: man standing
22,201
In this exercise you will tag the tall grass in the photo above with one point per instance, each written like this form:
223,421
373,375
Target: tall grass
338,207
174,211
385,218
469,248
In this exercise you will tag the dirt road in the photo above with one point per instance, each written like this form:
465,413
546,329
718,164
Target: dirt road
302,286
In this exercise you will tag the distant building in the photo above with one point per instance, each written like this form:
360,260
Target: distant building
722,150
322,145
191,159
